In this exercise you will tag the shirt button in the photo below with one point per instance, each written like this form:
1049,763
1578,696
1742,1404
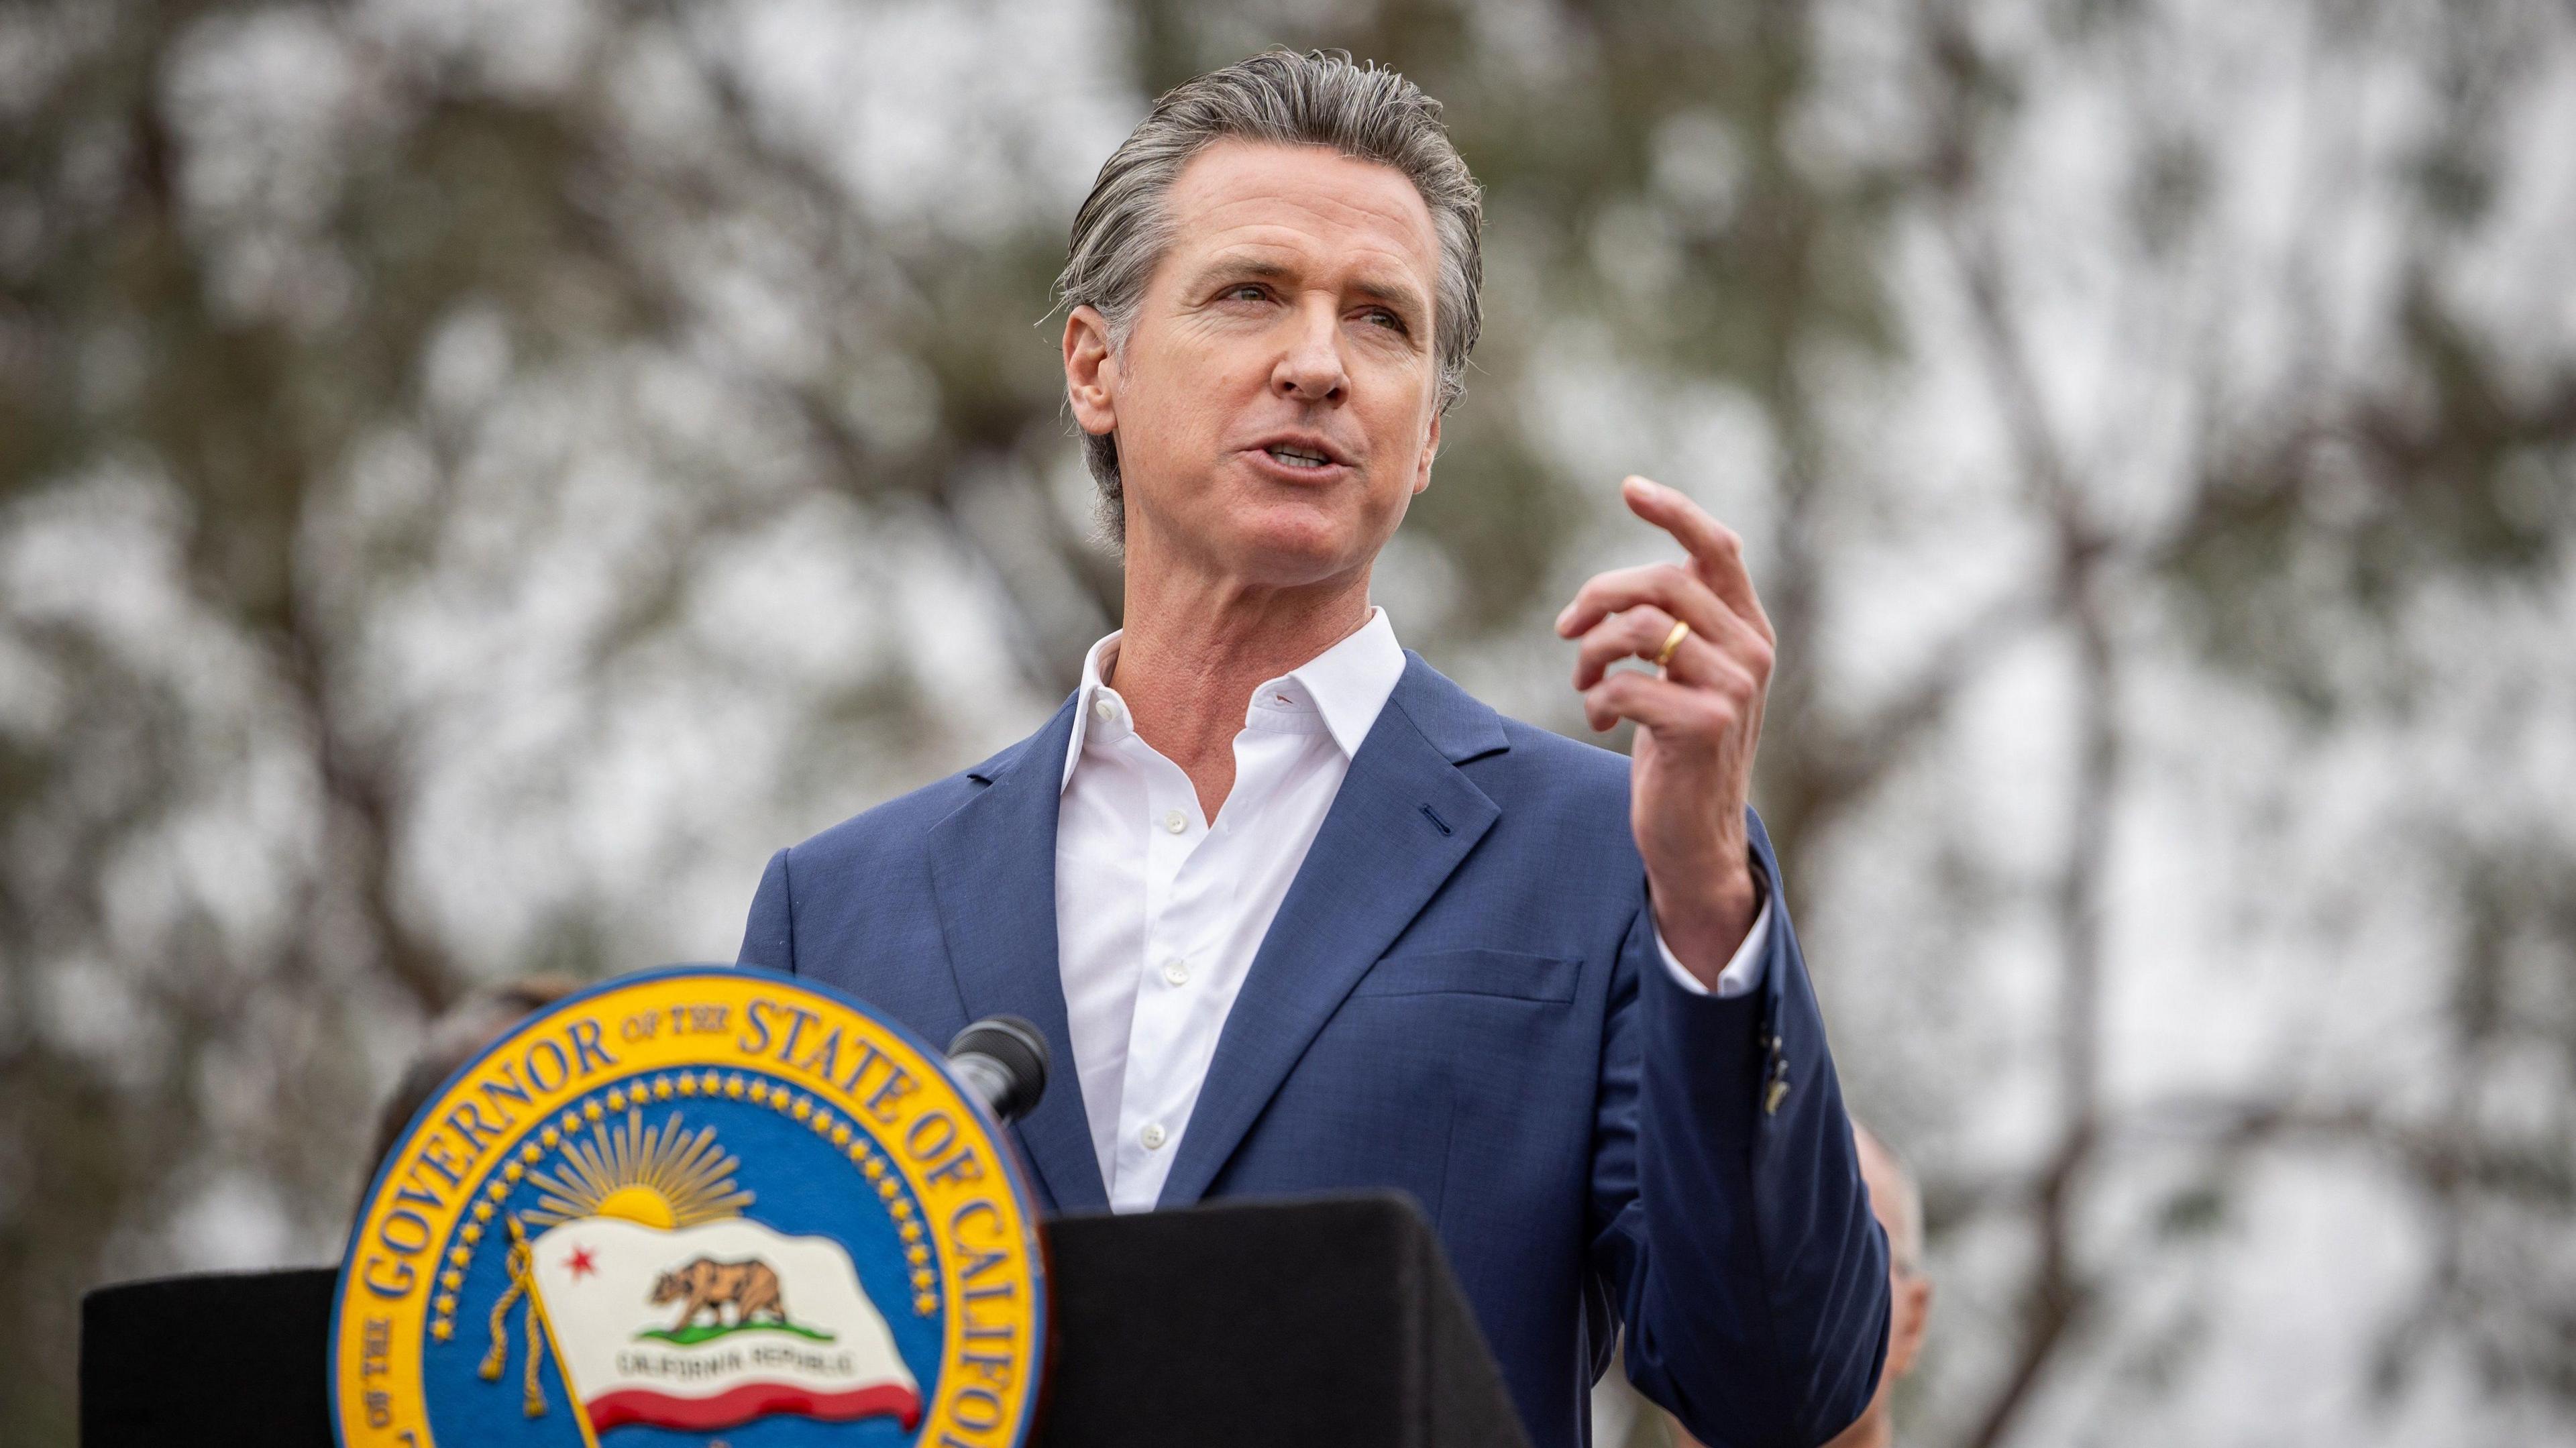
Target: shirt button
1105,709
1152,1136
1175,821
1177,971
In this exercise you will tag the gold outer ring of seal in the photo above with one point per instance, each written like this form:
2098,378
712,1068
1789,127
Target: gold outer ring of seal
864,1088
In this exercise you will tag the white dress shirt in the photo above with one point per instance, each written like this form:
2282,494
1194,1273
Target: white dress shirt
1159,912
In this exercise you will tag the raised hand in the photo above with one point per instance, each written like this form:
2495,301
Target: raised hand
1698,716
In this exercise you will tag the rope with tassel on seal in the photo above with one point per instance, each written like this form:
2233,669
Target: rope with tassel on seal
522,1285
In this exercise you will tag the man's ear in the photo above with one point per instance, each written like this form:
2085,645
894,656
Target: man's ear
1090,371
1430,448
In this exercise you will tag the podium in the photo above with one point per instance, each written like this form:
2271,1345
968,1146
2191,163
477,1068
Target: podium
1321,1321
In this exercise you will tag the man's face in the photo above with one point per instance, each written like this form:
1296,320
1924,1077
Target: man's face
1276,401
1889,1201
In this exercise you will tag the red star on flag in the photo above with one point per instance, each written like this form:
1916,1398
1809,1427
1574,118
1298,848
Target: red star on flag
582,1263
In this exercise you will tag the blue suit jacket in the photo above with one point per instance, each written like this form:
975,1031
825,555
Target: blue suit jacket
1460,998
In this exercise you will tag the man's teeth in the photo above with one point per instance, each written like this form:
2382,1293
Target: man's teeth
1298,457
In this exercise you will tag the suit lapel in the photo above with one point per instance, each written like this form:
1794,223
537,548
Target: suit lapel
1404,819
992,869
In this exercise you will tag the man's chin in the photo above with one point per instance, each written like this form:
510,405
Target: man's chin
1291,561
1287,546
1266,533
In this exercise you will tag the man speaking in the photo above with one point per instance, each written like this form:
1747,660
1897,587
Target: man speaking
1304,915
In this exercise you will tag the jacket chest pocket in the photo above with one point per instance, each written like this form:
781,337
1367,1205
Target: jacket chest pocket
1472,972
1438,1063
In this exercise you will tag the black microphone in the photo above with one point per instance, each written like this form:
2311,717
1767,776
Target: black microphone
1004,1060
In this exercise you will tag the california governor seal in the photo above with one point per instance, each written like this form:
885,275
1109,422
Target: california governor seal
686,1205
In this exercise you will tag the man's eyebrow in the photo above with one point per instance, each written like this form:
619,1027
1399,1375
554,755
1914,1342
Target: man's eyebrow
1398,293
1242,266
1248,268
1394,291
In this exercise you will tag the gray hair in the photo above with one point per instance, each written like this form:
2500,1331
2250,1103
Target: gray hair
1320,98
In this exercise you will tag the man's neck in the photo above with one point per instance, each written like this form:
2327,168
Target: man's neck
1194,648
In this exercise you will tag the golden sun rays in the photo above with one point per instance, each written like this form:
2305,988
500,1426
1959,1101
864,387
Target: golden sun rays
662,1176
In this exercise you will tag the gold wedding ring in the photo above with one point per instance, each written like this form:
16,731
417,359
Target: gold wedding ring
1672,641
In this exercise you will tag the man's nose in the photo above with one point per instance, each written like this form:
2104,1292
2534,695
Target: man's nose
1311,369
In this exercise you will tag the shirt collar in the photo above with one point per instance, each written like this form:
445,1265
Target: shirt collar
1349,684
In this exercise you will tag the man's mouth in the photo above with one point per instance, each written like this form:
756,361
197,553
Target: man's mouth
1289,455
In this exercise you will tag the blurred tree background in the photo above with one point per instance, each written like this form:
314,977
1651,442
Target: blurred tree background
476,475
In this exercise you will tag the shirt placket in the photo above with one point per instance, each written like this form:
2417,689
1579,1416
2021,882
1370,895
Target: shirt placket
1173,834
1195,951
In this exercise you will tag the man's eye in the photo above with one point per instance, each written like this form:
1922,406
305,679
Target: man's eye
1385,318
1245,292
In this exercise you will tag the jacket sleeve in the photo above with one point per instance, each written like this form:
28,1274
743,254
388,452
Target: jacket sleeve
769,938
1731,1228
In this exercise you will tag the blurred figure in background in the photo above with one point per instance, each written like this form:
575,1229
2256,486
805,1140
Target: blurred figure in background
1898,1204
1619,1417
456,1038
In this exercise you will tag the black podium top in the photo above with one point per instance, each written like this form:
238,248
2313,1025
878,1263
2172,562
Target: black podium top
1322,1322
252,1370
1330,1321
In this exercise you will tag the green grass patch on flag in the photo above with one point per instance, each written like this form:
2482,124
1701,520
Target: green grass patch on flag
692,1336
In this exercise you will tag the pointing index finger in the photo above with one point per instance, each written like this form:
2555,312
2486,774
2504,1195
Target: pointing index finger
1717,554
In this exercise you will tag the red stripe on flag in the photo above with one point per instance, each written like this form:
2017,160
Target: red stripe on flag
736,1406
